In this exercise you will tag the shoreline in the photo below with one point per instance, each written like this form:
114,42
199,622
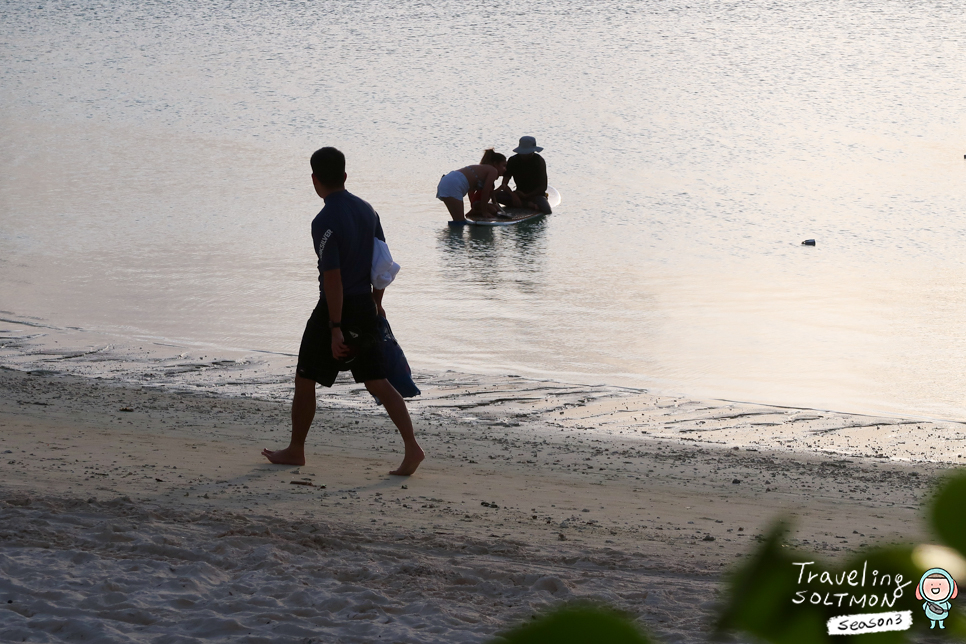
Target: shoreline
517,508
178,365
606,409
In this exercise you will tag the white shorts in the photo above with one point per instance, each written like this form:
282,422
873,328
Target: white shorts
454,185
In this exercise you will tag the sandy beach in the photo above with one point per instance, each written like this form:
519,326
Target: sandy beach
132,513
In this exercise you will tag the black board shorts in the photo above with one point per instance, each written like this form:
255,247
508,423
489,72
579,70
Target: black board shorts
360,330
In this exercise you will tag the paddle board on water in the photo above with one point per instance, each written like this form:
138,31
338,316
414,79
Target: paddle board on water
516,215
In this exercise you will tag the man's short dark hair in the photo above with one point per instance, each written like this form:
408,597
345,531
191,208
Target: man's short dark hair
328,166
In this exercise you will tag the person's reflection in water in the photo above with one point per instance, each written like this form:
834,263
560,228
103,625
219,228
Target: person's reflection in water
495,256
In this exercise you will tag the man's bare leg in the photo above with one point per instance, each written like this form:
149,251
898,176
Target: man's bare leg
303,411
504,195
396,407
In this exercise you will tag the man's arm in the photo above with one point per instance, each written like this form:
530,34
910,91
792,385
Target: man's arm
377,294
332,285
508,174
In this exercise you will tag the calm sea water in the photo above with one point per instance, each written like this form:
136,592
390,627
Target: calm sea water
154,185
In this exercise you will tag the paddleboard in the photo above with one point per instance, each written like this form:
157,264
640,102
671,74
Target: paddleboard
516,215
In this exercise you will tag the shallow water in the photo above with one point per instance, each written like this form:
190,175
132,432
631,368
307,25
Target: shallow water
154,187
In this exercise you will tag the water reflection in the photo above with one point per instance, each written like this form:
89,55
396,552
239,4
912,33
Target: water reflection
679,236
494,257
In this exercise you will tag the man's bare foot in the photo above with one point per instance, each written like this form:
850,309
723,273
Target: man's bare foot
410,462
287,456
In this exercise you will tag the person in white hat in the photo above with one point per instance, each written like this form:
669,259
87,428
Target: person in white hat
529,173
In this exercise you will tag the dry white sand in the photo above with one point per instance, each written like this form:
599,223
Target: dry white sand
163,523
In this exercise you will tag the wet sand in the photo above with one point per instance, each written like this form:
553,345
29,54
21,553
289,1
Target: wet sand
134,513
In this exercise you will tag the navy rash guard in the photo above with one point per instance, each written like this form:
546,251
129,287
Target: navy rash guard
342,233
528,173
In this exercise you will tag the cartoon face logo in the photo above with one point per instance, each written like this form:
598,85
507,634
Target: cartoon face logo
936,588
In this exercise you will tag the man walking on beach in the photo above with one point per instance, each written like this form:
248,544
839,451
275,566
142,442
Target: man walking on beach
529,173
341,334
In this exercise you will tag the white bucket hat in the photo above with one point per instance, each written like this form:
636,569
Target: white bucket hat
528,144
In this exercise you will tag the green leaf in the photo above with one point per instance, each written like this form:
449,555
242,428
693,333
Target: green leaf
947,513
577,625
760,597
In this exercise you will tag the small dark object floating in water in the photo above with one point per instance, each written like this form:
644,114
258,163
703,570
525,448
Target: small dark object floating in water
808,242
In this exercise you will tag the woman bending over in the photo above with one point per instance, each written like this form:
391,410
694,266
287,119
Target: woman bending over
475,180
